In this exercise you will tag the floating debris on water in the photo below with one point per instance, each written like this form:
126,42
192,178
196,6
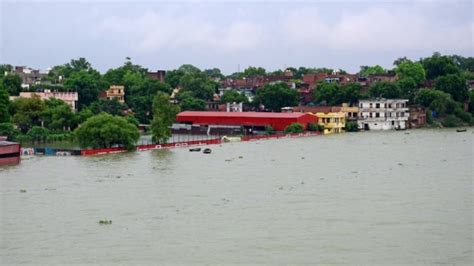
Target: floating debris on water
400,164
105,222
22,190
280,188
241,157
302,158
302,183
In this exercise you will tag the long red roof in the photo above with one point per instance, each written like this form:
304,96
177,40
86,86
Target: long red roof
241,114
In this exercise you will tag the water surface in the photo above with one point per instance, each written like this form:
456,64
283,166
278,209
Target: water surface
358,198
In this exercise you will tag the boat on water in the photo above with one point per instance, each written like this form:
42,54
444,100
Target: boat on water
461,130
195,149
9,152
207,150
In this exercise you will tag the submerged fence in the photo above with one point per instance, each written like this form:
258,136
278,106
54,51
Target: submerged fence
177,141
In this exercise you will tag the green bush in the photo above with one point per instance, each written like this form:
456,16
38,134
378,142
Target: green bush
465,116
8,130
269,130
37,133
451,121
352,126
429,116
294,128
312,127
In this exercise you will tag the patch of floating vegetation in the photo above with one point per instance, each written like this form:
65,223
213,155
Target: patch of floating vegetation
105,222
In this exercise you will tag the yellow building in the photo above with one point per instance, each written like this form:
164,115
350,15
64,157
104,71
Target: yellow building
117,92
332,122
350,112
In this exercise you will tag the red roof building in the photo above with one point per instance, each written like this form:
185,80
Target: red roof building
278,121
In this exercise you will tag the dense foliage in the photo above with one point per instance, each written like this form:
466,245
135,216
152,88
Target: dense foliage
294,128
164,114
106,131
275,96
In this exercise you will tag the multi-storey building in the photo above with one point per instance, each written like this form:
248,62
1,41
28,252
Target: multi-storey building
383,114
332,122
70,98
117,92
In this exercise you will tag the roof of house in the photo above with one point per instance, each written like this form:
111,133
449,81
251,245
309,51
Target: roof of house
241,114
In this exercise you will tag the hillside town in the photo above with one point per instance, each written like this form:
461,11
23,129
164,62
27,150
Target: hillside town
54,105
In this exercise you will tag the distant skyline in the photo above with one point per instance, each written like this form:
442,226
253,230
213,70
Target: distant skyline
207,34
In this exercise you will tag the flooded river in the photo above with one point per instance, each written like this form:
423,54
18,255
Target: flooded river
359,198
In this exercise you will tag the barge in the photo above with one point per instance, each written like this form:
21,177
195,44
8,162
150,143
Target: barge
9,152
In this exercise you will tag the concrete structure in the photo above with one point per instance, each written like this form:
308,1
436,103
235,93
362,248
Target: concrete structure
116,92
234,107
247,120
383,114
70,98
158,75
351,112
332,122
417,116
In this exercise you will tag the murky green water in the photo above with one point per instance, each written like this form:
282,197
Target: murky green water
364,198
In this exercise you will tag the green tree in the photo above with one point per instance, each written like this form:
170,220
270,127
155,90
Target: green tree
86,84
4,105
214,73
192,104
454,85
254,71
113,107
408,88
294,128
409,69
435,100
27,112
385,90
164,114
106,131
173,77
9,130
275,96
350,93
5,69
328,93
352,126
371,70
58,115
231,96
37,133
12,83
199,85
438,65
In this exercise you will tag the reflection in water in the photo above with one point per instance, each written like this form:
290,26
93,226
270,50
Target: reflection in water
363,198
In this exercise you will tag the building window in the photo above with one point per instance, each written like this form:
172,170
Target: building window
377,115
370,114
377,105
370,105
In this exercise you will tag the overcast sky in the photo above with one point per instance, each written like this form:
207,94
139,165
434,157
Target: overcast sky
271,34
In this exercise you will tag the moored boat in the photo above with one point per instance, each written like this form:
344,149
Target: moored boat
461,130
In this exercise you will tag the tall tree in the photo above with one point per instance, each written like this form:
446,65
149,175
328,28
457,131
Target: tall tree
455,85
105,131
12,83
439,65
275,96
371,70
199,85
164,114
409,69
27,112
385,90
87,84
4,105
231,96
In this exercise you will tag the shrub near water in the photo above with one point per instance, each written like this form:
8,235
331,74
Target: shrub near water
105,131
294,128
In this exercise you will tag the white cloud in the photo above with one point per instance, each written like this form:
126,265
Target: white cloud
378,29
152,32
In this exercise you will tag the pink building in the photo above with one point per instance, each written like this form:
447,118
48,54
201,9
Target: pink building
68,97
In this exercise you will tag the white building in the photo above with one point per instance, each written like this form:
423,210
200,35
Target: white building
383,114
70,98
